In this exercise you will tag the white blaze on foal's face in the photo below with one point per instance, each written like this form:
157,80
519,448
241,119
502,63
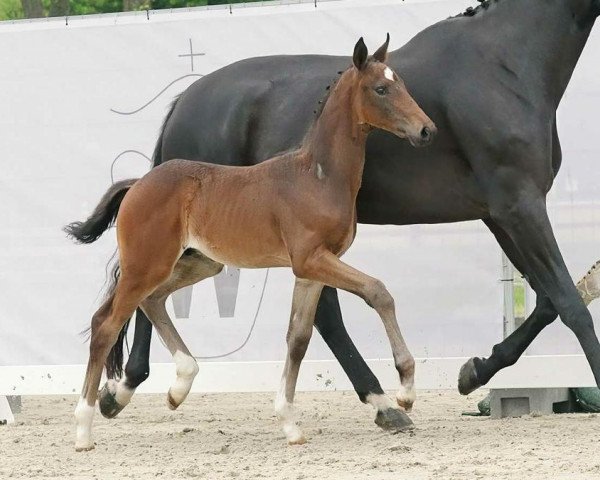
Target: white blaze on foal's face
388,73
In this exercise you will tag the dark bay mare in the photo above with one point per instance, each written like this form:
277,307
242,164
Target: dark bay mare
491,79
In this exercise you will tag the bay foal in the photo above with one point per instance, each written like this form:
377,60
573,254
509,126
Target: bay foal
296,210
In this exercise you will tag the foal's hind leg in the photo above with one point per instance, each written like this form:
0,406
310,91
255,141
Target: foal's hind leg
106,325
191,268
304,306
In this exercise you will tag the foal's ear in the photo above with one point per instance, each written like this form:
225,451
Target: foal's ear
381,54
361,54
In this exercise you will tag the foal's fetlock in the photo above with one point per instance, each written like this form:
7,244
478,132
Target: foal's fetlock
293,433
110,407
297,438
406,397
286,415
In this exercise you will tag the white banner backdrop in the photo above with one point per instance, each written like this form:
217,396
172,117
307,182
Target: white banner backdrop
81,104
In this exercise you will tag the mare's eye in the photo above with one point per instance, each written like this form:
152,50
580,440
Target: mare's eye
382,90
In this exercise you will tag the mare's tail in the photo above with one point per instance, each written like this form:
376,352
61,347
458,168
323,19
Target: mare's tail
103,216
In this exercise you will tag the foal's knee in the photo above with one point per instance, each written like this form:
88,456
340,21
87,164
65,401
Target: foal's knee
298,344
377,296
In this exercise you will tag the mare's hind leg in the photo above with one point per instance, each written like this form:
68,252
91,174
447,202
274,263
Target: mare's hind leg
304,306
191,268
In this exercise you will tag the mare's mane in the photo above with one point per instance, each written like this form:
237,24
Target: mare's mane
471,11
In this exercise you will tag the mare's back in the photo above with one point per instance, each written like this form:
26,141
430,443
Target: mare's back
251,110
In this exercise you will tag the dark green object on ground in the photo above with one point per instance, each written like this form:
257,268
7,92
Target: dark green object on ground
588,399
484,406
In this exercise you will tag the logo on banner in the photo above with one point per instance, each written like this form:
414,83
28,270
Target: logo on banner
226,287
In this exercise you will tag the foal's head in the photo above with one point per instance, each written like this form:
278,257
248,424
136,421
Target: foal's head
382,101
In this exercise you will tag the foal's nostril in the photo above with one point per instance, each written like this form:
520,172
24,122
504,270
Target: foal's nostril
425,133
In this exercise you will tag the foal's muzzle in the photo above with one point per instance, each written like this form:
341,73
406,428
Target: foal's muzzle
424,136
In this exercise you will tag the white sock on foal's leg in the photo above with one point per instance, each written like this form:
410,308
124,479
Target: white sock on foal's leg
286,415
187,369
84,415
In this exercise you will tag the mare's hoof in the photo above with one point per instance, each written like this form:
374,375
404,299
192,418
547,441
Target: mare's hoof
393,420
467,378
109,407
171,402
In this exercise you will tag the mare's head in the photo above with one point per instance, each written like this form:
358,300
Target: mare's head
381,99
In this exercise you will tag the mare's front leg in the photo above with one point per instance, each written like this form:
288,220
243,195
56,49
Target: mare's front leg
523,216
330,325
304,305
325,267
477,372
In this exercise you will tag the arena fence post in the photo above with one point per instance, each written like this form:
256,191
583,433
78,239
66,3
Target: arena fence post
6,414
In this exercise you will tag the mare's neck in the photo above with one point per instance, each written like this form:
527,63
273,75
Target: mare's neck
535,43
546,39
336,143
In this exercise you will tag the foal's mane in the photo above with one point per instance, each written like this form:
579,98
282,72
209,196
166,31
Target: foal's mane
329,89
324,98
471,11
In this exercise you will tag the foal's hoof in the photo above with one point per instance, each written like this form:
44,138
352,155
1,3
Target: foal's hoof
109,407
85,449
171,403
297,441
467,378
393,420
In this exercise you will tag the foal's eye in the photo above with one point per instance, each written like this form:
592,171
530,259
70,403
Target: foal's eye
382,90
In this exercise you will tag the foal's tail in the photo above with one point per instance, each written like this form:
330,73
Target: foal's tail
103,216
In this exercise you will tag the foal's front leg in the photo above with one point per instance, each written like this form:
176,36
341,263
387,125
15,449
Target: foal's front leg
327,268
304,306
